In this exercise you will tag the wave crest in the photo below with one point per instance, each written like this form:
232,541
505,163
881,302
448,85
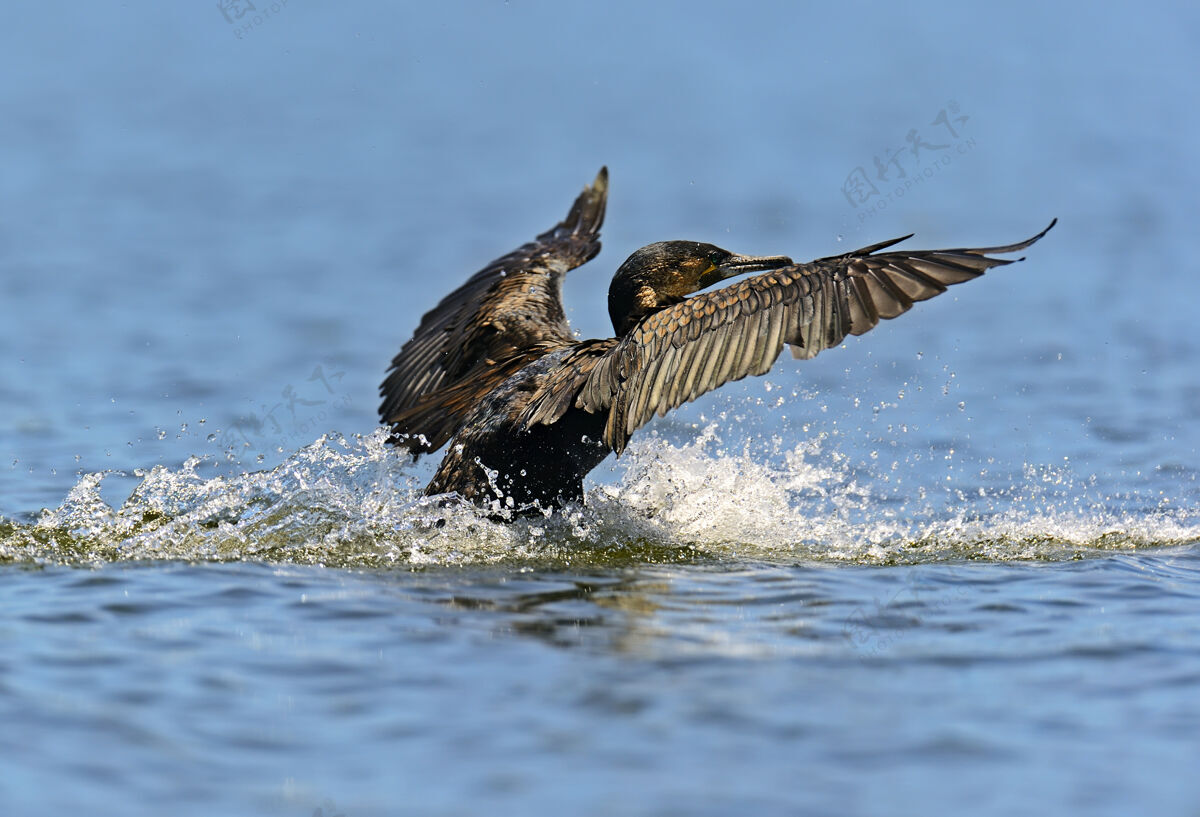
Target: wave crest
357,502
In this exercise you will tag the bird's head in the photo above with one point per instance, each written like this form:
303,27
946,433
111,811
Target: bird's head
665,273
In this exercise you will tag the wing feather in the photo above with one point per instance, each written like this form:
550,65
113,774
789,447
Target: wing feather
705,341
774,344
702,367
510,310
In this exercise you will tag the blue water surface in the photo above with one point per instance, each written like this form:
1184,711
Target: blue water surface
950,567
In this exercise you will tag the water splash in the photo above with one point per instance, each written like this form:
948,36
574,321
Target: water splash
357,502
806,504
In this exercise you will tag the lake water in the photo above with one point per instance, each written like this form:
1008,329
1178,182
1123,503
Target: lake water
952,567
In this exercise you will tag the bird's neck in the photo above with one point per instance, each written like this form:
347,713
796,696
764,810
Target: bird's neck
629,302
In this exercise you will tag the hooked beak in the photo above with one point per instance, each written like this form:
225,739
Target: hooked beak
739,264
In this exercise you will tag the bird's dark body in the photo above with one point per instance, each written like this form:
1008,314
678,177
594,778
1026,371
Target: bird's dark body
528,410
501,463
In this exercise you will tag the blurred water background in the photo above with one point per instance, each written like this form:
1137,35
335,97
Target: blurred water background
950,567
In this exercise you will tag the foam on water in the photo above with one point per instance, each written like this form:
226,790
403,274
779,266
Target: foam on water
356,502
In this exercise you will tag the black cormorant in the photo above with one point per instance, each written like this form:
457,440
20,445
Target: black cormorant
529,410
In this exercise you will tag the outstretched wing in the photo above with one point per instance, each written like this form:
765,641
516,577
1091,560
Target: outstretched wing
705,341
506,311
